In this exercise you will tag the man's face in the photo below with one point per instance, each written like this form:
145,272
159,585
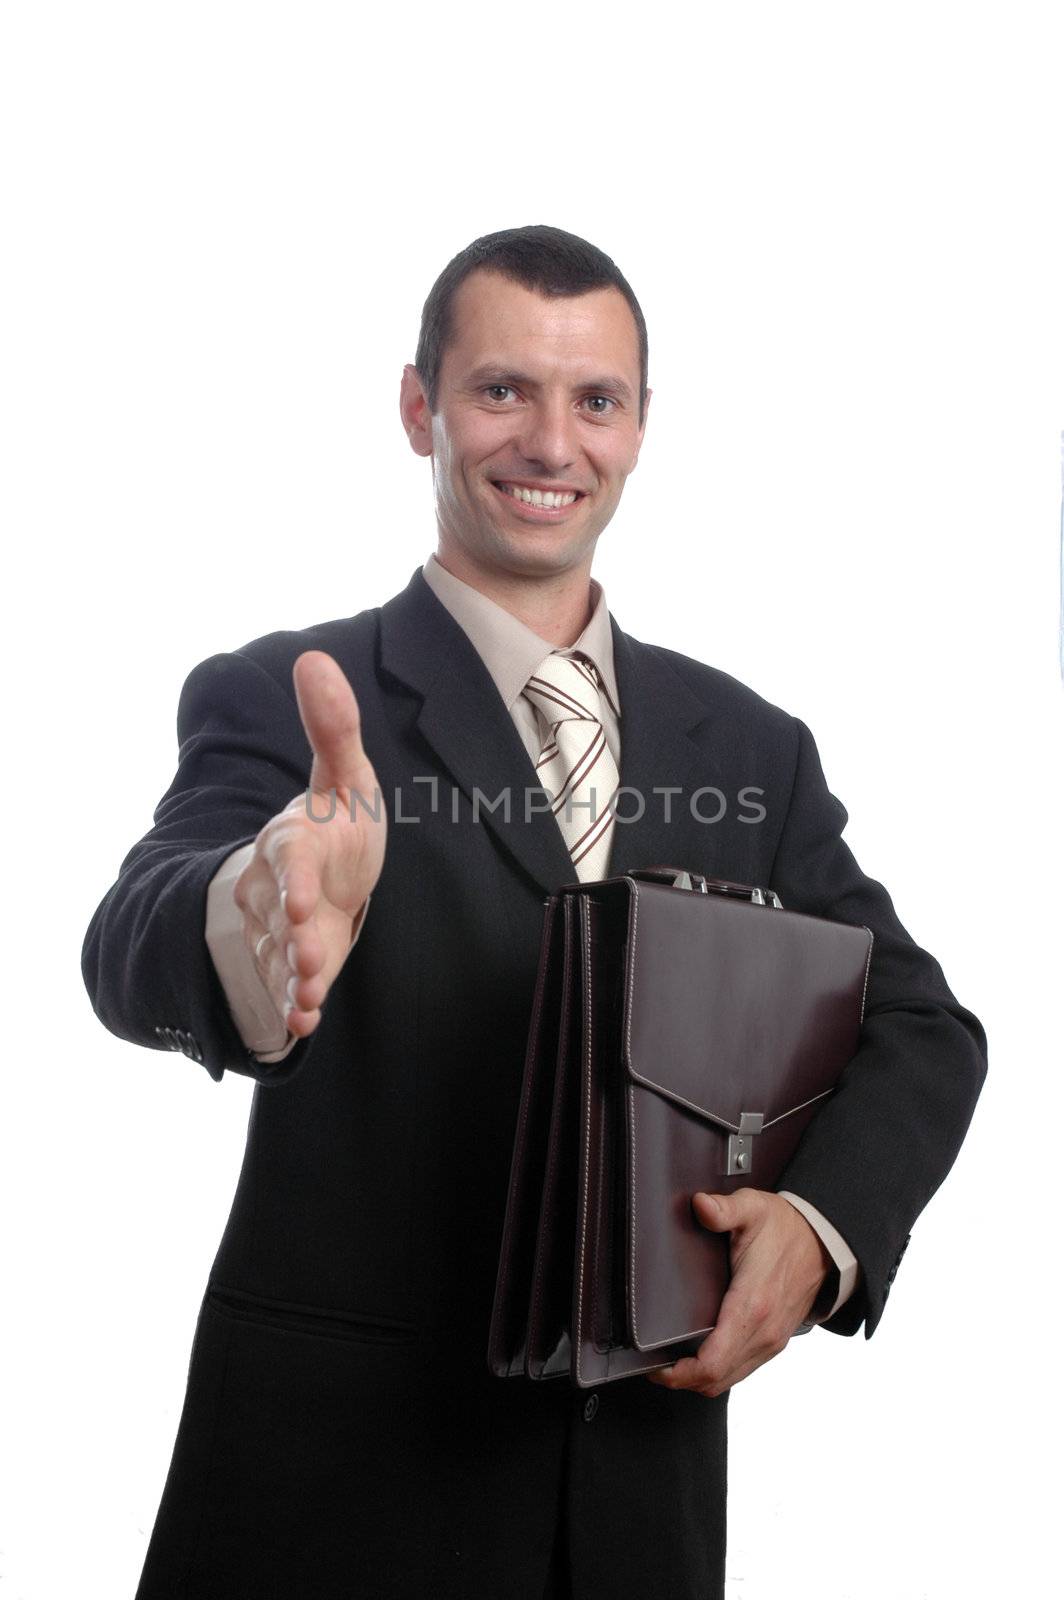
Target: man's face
535,394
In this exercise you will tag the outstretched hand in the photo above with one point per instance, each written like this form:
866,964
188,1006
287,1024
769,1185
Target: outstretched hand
315,864
778,1268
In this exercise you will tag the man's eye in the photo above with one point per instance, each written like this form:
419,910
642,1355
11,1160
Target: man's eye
601,404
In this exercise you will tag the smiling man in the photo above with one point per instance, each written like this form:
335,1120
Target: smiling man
341,1433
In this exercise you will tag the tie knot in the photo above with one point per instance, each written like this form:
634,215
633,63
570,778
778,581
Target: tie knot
565,688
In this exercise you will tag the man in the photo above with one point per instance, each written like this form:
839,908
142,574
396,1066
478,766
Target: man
341,1433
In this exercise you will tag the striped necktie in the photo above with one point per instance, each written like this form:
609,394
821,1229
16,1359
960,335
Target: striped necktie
575,765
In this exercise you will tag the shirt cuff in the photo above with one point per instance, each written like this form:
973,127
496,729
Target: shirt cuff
837,1249
260,1025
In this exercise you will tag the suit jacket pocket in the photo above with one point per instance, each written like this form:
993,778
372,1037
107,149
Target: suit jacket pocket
321,1322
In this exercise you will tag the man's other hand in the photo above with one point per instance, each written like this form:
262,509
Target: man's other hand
778,1267
308,879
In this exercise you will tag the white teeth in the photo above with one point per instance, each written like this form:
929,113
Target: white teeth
536,497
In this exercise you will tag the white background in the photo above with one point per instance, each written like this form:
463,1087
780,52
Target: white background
844,225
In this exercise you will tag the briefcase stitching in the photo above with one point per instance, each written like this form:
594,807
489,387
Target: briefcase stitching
867,970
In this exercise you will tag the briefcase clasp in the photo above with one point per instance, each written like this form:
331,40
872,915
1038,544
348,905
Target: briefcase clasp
741,1144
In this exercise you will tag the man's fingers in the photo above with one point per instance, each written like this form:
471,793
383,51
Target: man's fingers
333,725
739,1344
739,1339
691,1375
279,894
292,853
723,1213
283,951
305,994
683,1374
302,1023
297,936
290,962
777,1265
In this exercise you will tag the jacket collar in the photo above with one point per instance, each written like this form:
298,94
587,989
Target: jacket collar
510,650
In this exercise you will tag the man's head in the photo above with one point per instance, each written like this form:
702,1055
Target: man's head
530,373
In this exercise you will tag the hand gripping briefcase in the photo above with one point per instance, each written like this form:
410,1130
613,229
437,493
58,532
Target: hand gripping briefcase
684,1032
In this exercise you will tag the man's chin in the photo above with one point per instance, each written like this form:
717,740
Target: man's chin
495,545
543,551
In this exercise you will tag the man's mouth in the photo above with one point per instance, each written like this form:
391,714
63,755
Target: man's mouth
544,504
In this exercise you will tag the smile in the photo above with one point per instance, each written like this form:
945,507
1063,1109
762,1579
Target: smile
541,503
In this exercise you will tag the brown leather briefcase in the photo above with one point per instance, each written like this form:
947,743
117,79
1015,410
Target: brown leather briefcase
684,1032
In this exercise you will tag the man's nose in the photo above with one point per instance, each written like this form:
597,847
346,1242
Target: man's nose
549,435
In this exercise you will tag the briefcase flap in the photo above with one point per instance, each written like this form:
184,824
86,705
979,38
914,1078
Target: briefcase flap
733,1008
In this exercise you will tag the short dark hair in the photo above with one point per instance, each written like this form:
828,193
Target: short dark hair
548,260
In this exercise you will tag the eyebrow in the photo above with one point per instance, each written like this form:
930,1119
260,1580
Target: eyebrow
497,374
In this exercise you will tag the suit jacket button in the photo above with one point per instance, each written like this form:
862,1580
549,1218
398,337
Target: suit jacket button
591,1405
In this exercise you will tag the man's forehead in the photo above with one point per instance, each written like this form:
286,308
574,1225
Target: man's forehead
491,314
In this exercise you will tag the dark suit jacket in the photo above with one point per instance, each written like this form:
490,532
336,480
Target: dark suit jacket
341,1434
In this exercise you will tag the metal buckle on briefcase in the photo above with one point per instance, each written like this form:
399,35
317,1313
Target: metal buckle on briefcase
741,1144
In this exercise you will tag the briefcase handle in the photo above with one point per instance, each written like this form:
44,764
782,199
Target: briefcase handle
681,878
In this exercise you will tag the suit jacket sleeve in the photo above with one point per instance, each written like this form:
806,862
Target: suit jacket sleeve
243,756
877,1151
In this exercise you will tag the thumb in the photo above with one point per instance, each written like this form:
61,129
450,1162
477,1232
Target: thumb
333,726
720,1213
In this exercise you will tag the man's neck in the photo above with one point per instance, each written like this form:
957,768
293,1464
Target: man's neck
557,606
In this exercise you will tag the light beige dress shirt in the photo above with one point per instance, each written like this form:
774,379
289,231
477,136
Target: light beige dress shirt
511,652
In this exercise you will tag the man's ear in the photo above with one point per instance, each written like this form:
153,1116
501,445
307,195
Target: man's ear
642,430
414,410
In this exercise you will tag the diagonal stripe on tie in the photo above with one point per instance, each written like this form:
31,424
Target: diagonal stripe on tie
575,764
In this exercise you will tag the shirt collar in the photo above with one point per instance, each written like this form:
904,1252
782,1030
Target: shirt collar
510,651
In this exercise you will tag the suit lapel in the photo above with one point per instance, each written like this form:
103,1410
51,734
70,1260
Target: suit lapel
464,721
658,716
